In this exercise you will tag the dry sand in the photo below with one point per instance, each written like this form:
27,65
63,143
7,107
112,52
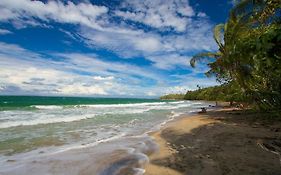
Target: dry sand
220,142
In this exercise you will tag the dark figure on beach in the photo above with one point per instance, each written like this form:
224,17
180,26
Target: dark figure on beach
203,110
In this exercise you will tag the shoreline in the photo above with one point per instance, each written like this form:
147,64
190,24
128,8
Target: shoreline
126,154
183,124
222,141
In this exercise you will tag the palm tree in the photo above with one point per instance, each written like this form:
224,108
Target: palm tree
248,47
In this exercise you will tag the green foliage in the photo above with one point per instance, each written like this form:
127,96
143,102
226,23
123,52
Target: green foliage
250,54
172,97
226,92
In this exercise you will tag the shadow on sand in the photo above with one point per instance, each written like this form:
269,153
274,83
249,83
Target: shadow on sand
236,143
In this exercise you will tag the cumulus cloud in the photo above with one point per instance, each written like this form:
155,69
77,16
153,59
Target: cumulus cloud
158,13
34,76
37,78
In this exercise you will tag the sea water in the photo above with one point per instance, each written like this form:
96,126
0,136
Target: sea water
68,130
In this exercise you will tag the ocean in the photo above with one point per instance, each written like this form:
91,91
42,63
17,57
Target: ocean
40,135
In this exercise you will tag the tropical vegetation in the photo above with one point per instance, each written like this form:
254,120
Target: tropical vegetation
172,97
249,54
225,92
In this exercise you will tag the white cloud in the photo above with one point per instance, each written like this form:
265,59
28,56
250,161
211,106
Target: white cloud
198,37
76,74
80,74
4,31
124,44
38,79
158,13
90,63
38,75
103,78
97,30
149,44
189,82
169,61
152,94
82,89
6,14
82,13
201,14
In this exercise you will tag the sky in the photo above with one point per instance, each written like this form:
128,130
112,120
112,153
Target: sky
105,48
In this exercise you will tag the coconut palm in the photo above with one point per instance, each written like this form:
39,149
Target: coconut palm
249,51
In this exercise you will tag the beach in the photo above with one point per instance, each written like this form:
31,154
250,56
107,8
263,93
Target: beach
134,137
48,135
218,142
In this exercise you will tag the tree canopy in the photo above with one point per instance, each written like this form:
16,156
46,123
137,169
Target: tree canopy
249,52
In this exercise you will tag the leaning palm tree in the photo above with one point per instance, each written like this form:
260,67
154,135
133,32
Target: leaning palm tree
248,49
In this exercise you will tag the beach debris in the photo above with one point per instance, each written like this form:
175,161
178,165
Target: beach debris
200,156
273,147
190,147
183,147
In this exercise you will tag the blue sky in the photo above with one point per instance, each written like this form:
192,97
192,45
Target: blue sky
116,48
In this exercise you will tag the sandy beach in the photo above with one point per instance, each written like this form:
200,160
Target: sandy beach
223,141
218,142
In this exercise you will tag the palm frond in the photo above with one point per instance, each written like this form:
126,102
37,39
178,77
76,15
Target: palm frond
218,34
201,56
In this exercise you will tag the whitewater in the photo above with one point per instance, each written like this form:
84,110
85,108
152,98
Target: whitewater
44,132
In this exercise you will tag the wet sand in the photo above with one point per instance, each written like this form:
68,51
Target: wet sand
219,142
124,156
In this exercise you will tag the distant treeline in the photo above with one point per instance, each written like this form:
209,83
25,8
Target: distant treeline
172,97
225,92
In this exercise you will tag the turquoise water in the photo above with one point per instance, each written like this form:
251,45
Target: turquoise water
16,102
